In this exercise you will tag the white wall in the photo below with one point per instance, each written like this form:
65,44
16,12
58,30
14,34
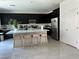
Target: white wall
69,22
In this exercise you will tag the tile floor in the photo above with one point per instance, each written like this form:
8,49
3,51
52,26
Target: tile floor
54,50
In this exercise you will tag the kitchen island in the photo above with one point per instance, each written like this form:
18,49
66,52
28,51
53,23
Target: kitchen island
27,38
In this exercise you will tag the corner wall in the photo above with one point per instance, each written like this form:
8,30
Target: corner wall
69,22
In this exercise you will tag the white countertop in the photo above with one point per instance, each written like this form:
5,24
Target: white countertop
26,31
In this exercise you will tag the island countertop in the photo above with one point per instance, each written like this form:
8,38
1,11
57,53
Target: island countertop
24,38
26,31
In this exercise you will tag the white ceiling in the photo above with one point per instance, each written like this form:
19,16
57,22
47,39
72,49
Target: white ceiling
28,6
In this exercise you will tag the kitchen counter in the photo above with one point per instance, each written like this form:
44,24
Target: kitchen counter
24,38
26,31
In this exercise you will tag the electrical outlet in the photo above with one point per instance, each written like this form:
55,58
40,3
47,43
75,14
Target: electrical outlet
77,42
76,27
66,29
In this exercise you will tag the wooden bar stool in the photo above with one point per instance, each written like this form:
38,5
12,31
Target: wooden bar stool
27,40
43,38
35,38
18,42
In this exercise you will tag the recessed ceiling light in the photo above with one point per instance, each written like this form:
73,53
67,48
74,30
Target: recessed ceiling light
31,1
12,5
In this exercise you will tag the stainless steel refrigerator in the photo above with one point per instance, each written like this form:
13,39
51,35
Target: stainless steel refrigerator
54,28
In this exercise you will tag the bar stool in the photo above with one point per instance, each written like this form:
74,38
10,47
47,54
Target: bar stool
27,40
18,41
35,38
43,38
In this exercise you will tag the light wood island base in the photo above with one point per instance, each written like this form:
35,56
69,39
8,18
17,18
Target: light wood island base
30,39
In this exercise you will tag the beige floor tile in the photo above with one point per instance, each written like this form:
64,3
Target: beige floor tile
54,50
